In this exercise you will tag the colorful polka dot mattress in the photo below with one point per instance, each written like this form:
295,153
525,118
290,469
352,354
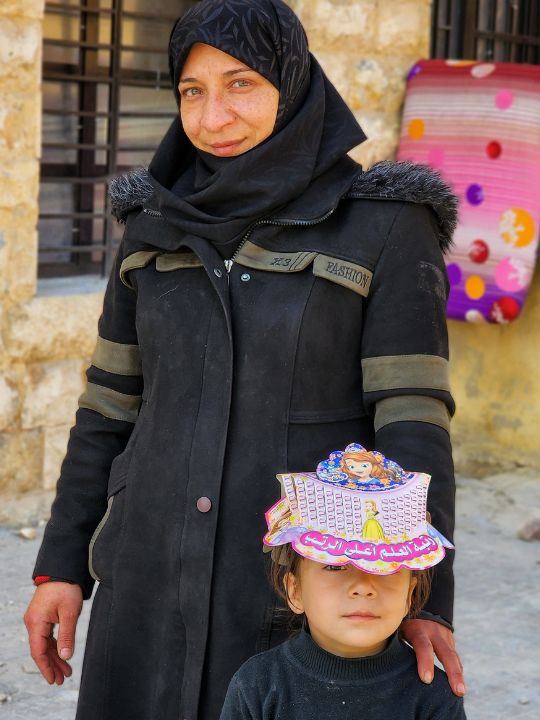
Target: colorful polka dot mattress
478,124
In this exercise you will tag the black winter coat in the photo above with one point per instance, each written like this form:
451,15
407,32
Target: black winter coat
210,378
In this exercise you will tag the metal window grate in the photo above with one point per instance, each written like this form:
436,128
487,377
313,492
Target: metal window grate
499,30
106,103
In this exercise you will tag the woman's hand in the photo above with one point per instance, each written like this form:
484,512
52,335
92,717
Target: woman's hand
428,637
53,603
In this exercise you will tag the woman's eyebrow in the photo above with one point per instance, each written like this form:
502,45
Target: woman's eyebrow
228,73
239,70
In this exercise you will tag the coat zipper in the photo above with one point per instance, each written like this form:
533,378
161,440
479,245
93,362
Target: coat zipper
274,221
152,212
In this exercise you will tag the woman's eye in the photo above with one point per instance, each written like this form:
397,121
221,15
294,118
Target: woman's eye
241,83
191,92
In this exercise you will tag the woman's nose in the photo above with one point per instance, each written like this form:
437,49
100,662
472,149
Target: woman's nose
216,114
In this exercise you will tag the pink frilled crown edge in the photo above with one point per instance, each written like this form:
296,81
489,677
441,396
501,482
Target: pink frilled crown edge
359,507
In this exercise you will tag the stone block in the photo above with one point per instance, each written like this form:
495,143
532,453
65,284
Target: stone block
21,461
9,400
377,83
48,328
51,393
296,5
404,26
20,123
22,8
20,44
4,358
338,73
19,183
3,263
22,263
18,250
382,131
368,86
333,21
55,444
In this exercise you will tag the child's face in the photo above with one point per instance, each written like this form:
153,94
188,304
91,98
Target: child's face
350,613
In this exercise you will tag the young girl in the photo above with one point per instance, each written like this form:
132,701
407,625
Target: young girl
350,594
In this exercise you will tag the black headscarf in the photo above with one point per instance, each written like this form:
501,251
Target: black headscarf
301,170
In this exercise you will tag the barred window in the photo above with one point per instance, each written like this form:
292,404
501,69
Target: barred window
106,103
498,30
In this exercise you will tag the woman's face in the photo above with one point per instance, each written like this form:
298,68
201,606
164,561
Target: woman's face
359,468
226,108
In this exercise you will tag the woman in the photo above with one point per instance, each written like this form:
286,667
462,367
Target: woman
268,301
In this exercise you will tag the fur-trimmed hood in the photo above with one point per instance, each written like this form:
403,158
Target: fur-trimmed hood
397,181
409,182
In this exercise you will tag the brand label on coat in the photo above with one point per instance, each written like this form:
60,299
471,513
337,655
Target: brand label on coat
253,256
352,276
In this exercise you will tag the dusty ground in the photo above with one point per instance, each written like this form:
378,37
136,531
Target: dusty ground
497,610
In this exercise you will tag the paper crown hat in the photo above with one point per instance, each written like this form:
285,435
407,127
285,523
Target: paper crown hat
358,507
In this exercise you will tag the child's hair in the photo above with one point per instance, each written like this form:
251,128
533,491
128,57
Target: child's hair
286,560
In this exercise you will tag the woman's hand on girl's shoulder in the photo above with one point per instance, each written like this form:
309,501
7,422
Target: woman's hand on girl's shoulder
429,638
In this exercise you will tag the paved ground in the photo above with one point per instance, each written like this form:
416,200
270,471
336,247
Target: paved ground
497,610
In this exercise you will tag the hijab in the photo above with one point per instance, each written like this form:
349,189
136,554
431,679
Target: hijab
300,171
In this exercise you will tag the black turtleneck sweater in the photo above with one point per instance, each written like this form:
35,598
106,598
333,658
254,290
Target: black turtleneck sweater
299,681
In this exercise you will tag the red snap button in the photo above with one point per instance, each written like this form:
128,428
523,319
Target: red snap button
204,504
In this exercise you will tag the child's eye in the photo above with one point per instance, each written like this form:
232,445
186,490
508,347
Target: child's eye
333,568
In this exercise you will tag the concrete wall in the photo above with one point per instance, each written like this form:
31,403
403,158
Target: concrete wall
47,334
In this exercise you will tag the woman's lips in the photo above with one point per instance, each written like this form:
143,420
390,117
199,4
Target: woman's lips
225,148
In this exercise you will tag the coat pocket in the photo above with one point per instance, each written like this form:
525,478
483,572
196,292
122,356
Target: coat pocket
104,541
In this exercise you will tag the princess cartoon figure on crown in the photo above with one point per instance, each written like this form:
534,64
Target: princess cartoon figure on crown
372,528
357,467
364,465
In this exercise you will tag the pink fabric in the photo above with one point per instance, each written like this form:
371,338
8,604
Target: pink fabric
478,124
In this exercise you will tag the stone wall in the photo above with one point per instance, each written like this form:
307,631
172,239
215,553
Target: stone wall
45,341
366,47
